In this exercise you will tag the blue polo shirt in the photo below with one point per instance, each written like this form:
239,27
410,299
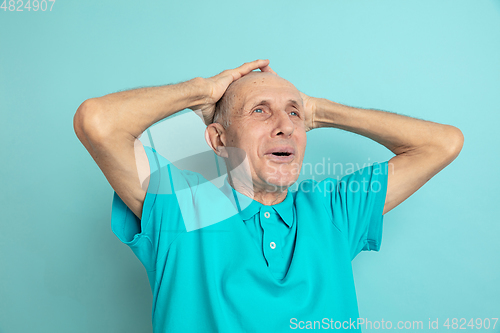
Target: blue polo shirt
218,261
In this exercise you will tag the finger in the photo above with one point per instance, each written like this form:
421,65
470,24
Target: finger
268,69
248,67
228,74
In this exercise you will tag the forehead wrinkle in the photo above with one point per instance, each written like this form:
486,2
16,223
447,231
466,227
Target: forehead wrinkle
253,102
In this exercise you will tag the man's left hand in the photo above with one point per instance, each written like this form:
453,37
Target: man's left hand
309,110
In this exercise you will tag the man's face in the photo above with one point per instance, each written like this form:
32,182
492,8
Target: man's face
267,123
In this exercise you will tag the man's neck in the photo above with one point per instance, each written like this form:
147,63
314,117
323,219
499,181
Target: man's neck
270,198
263,196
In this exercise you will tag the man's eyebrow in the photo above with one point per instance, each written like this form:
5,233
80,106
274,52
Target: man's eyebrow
266,102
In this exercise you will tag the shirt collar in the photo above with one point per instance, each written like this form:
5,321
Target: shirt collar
285,208
248,207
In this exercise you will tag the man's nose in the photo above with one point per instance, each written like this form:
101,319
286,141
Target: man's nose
283,124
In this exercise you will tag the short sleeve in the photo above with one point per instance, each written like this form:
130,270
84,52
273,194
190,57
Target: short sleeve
161,218
357,201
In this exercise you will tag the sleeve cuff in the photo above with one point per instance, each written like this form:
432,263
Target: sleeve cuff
124,223
379,186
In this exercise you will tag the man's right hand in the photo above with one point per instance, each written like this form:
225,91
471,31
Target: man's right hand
217,85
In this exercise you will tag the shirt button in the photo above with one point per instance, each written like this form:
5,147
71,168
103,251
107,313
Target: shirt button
266,214
272,245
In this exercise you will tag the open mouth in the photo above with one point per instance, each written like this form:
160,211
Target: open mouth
281,154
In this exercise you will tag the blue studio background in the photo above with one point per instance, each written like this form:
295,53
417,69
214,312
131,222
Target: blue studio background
61,267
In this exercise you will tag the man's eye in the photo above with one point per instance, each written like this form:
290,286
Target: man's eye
293,113
257,110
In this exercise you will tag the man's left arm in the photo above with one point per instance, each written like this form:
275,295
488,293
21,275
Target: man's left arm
422,148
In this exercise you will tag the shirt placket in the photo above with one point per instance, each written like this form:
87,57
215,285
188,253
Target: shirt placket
271,243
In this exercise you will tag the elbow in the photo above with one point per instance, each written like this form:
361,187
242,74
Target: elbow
453,143
86,121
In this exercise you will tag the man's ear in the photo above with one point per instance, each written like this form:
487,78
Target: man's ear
215,137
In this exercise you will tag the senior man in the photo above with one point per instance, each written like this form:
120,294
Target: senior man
253,255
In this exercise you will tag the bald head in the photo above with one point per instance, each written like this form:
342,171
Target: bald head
236,93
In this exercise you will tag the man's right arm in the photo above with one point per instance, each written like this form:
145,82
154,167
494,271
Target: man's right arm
109,128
